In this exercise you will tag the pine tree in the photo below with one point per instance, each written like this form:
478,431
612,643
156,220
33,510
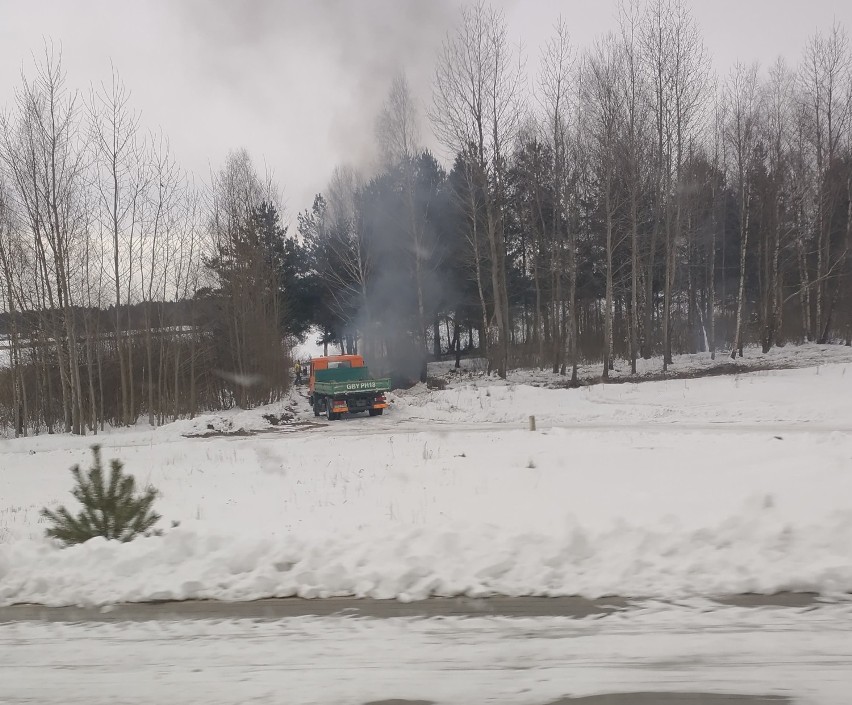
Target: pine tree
113,510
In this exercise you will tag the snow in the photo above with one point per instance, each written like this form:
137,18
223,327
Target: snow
5,352
800,654
673,488
794,356
793,397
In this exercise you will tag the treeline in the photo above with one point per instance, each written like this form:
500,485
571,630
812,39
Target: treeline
127,291
627,205
632,204
165,314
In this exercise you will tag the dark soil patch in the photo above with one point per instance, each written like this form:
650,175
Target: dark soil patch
284,426
436,383
278,419
216,434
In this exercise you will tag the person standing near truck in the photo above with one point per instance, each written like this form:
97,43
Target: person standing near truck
297,372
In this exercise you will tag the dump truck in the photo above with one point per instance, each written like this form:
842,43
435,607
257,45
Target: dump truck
341,384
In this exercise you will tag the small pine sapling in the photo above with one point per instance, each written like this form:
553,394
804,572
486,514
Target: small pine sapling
111,509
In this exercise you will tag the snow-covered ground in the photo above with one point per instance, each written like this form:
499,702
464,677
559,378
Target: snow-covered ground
790,356
803,655
726,484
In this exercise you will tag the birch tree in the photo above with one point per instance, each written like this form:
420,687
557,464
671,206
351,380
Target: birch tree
825,78
634,97
776,104
603,117
476,107
10,269
119,175
42,151
743,100
558,74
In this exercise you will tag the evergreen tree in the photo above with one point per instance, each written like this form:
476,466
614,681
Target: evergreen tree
330,312
297,286
111,509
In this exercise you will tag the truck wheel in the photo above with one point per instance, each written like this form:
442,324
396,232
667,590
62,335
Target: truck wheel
376,412
315,406
330,415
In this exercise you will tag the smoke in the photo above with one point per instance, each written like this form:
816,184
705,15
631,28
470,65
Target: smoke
331,64
328,64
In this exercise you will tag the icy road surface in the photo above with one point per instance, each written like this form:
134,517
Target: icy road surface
783,655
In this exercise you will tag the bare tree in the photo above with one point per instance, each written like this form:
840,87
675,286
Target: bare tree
743,100
253,360
349,276
92,297
603,113
10,257
119,182
717,220
41,149
469,199
187,279
635,99
558,73
676,62
160,202
847,295
398,132
825,79
476,107
777,101
398,127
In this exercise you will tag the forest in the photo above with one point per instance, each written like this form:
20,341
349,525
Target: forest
616,200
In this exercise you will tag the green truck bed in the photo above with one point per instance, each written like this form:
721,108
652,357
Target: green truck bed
348,380
352,386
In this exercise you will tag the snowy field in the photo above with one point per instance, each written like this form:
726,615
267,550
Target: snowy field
664,489
789,356
800,657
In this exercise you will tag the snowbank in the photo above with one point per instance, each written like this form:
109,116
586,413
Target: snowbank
755,552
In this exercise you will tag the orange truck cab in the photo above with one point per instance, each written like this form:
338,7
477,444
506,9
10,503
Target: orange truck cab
341,384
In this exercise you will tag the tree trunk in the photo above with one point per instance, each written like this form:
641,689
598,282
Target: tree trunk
149,353
667,298
648,350
90,368
571,317
804,285
436,339
498,286
745,195
538,336
99,356
711,281
848,261
193,385
634,278
456,344
607,353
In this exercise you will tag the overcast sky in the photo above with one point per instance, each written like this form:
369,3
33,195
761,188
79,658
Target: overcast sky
299,82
